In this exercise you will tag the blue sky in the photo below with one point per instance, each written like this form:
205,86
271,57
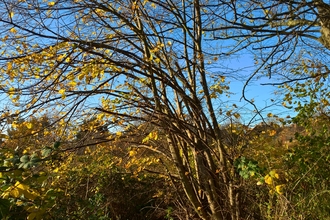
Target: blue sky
267,98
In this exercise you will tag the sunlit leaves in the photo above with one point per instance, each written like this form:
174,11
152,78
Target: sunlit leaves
13,31
62,92
29,125
151,136
20,189
269,179
51,3
280,189
102,69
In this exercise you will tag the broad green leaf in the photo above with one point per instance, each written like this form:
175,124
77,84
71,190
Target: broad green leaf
25,158
46,152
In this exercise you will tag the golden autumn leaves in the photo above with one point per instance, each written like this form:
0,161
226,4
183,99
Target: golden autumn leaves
274,181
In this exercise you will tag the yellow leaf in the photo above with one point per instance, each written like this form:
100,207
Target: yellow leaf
280,189
11,91
19,202
269,115
145,140
72,83
11,14
273,173
81,76
132,153
9,66
21,186
61,91
268,179
119,134
51,3
13,30
272,133
21,189
15,192
29,125
223,78
237,115
156,136
5,195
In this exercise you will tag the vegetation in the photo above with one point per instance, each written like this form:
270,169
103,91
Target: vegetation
120,110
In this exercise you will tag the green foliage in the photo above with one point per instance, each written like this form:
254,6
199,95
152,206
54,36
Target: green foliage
247,167
4,208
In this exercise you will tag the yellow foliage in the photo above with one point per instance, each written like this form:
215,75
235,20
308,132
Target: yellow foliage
29,125
119,133
9,66
268,179
274,174
18,190
72,83
237,115
11,14
13,30
62,92
151,136
280,189
132,153
19,202
272,133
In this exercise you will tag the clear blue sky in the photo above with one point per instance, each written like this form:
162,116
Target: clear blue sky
266,97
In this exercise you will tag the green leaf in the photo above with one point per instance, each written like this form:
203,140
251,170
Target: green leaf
46,152
25,159
56,145
27,165
35,160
